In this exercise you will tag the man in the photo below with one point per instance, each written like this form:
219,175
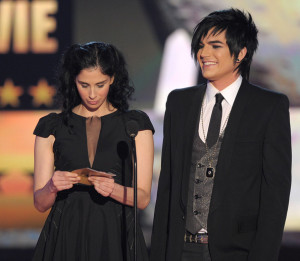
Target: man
226,161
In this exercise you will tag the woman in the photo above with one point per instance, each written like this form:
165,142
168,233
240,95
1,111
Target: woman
91,222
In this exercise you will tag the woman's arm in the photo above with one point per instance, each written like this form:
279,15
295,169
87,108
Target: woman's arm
47,183
144,150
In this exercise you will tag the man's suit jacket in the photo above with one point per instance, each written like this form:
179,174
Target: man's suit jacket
252,183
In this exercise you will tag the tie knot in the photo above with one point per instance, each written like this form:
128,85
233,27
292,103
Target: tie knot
219,98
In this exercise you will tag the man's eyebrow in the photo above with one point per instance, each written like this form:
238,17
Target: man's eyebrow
212,42
215,42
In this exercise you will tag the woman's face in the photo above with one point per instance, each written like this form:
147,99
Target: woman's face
93,87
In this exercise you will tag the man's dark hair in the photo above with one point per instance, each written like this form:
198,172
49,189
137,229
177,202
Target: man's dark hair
240,32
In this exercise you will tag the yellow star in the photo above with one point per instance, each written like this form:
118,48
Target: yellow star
9,94
42,93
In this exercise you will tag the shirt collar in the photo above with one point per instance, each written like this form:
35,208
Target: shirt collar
229,93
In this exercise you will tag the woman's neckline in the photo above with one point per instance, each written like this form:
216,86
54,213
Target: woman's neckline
104,116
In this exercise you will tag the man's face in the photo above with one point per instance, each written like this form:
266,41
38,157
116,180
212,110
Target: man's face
216,62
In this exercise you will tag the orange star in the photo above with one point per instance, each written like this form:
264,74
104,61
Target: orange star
9,94
43,93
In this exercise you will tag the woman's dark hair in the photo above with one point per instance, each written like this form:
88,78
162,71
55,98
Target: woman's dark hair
94,54
240,32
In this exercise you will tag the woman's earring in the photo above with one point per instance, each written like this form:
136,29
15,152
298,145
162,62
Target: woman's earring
238,60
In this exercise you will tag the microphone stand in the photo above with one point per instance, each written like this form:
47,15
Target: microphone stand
132,128
135,195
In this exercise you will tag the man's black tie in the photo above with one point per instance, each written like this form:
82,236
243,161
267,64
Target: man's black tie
215,122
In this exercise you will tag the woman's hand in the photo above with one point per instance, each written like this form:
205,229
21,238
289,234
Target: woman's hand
103,185
62,180
123,194
46,183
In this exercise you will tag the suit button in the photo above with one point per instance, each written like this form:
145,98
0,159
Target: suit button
196,212
183,217
199,165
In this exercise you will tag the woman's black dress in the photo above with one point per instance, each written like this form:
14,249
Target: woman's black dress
82,224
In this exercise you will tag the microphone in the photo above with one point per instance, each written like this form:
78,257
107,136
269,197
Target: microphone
132,128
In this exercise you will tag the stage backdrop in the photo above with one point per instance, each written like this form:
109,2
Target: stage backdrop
33,35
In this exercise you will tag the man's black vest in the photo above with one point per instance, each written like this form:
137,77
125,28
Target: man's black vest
200,186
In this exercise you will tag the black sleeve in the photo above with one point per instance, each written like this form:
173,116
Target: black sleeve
276,184
46,125
142,119
159,239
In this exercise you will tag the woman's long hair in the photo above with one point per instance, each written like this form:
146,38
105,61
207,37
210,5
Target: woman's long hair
94,54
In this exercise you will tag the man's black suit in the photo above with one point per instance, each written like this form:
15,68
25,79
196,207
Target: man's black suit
252,183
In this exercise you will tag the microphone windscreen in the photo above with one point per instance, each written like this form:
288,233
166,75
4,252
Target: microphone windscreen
132,128
122,149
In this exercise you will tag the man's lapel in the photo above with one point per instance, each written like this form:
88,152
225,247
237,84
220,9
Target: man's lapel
224,159
192,121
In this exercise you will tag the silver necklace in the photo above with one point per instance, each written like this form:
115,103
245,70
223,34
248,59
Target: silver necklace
210,170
